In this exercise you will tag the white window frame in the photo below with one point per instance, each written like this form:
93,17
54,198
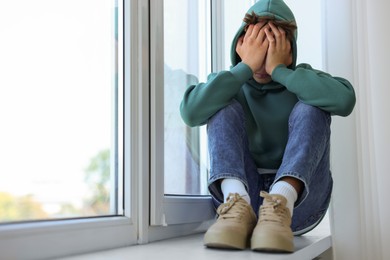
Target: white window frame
170,216
166,210
49,239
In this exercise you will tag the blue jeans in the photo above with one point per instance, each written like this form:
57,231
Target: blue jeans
306,157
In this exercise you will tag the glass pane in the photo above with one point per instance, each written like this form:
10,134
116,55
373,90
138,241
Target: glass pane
58,109
187,61
234,12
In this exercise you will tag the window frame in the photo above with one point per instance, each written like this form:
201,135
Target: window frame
154,222
166,209
56,238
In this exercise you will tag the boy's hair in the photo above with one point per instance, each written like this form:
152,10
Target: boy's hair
288,27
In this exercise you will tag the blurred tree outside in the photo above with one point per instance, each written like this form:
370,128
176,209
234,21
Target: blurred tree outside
97,177
96,202
16,208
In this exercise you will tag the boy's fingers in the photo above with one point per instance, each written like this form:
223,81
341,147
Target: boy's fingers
240,39
279,35
239,44
262,34
256,30
270,36
248,31
278,31
274,29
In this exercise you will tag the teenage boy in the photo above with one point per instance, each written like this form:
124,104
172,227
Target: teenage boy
268,123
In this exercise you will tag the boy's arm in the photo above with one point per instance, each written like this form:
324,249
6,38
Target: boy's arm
313,87
202,101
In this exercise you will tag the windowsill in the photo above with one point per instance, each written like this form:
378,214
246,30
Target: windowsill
308,246
191,248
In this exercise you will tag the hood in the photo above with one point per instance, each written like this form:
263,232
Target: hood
267,8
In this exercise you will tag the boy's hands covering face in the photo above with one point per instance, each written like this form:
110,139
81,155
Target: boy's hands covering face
279,50
262,48
252,47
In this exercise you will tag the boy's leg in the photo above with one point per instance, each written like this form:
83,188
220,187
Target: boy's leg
230,160
229,153
306,159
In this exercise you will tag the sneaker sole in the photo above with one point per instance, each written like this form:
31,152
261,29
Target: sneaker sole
272,244
226,242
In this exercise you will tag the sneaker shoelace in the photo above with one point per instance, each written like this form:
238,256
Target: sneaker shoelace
273,210
227,211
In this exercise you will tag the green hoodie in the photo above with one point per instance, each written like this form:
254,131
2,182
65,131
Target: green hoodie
267,106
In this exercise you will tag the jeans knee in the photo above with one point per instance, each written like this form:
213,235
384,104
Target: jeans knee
232,113
303,112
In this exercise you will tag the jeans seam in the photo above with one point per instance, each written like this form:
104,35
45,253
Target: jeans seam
225,176
318,214
298,176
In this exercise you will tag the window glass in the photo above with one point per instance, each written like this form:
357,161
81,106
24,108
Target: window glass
234,12
186,61
58,109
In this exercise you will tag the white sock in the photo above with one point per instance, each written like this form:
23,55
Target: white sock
286,190
234,186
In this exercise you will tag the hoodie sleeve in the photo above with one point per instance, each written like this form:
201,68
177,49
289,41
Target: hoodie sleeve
313,87
202,101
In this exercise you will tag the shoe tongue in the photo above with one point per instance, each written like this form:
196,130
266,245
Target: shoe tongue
278,200
230,202
225,207
274,199
233,196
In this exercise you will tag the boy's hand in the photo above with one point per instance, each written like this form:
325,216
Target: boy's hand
252,47
279,51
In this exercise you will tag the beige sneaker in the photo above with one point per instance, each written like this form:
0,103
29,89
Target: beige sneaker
273,232
234,225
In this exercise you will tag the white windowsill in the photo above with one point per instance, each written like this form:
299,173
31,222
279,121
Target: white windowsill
191,248
308,246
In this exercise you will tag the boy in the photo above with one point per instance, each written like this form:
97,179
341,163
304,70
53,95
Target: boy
268,124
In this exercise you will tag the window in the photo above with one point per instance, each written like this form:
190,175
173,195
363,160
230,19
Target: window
64,184
192,36
187,48
180,54
59,108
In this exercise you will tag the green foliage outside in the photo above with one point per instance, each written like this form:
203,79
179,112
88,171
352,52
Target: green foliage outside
14,208
97,175
97,202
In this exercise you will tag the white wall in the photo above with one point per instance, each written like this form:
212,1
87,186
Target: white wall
356,41
339,60
309,31
377,59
